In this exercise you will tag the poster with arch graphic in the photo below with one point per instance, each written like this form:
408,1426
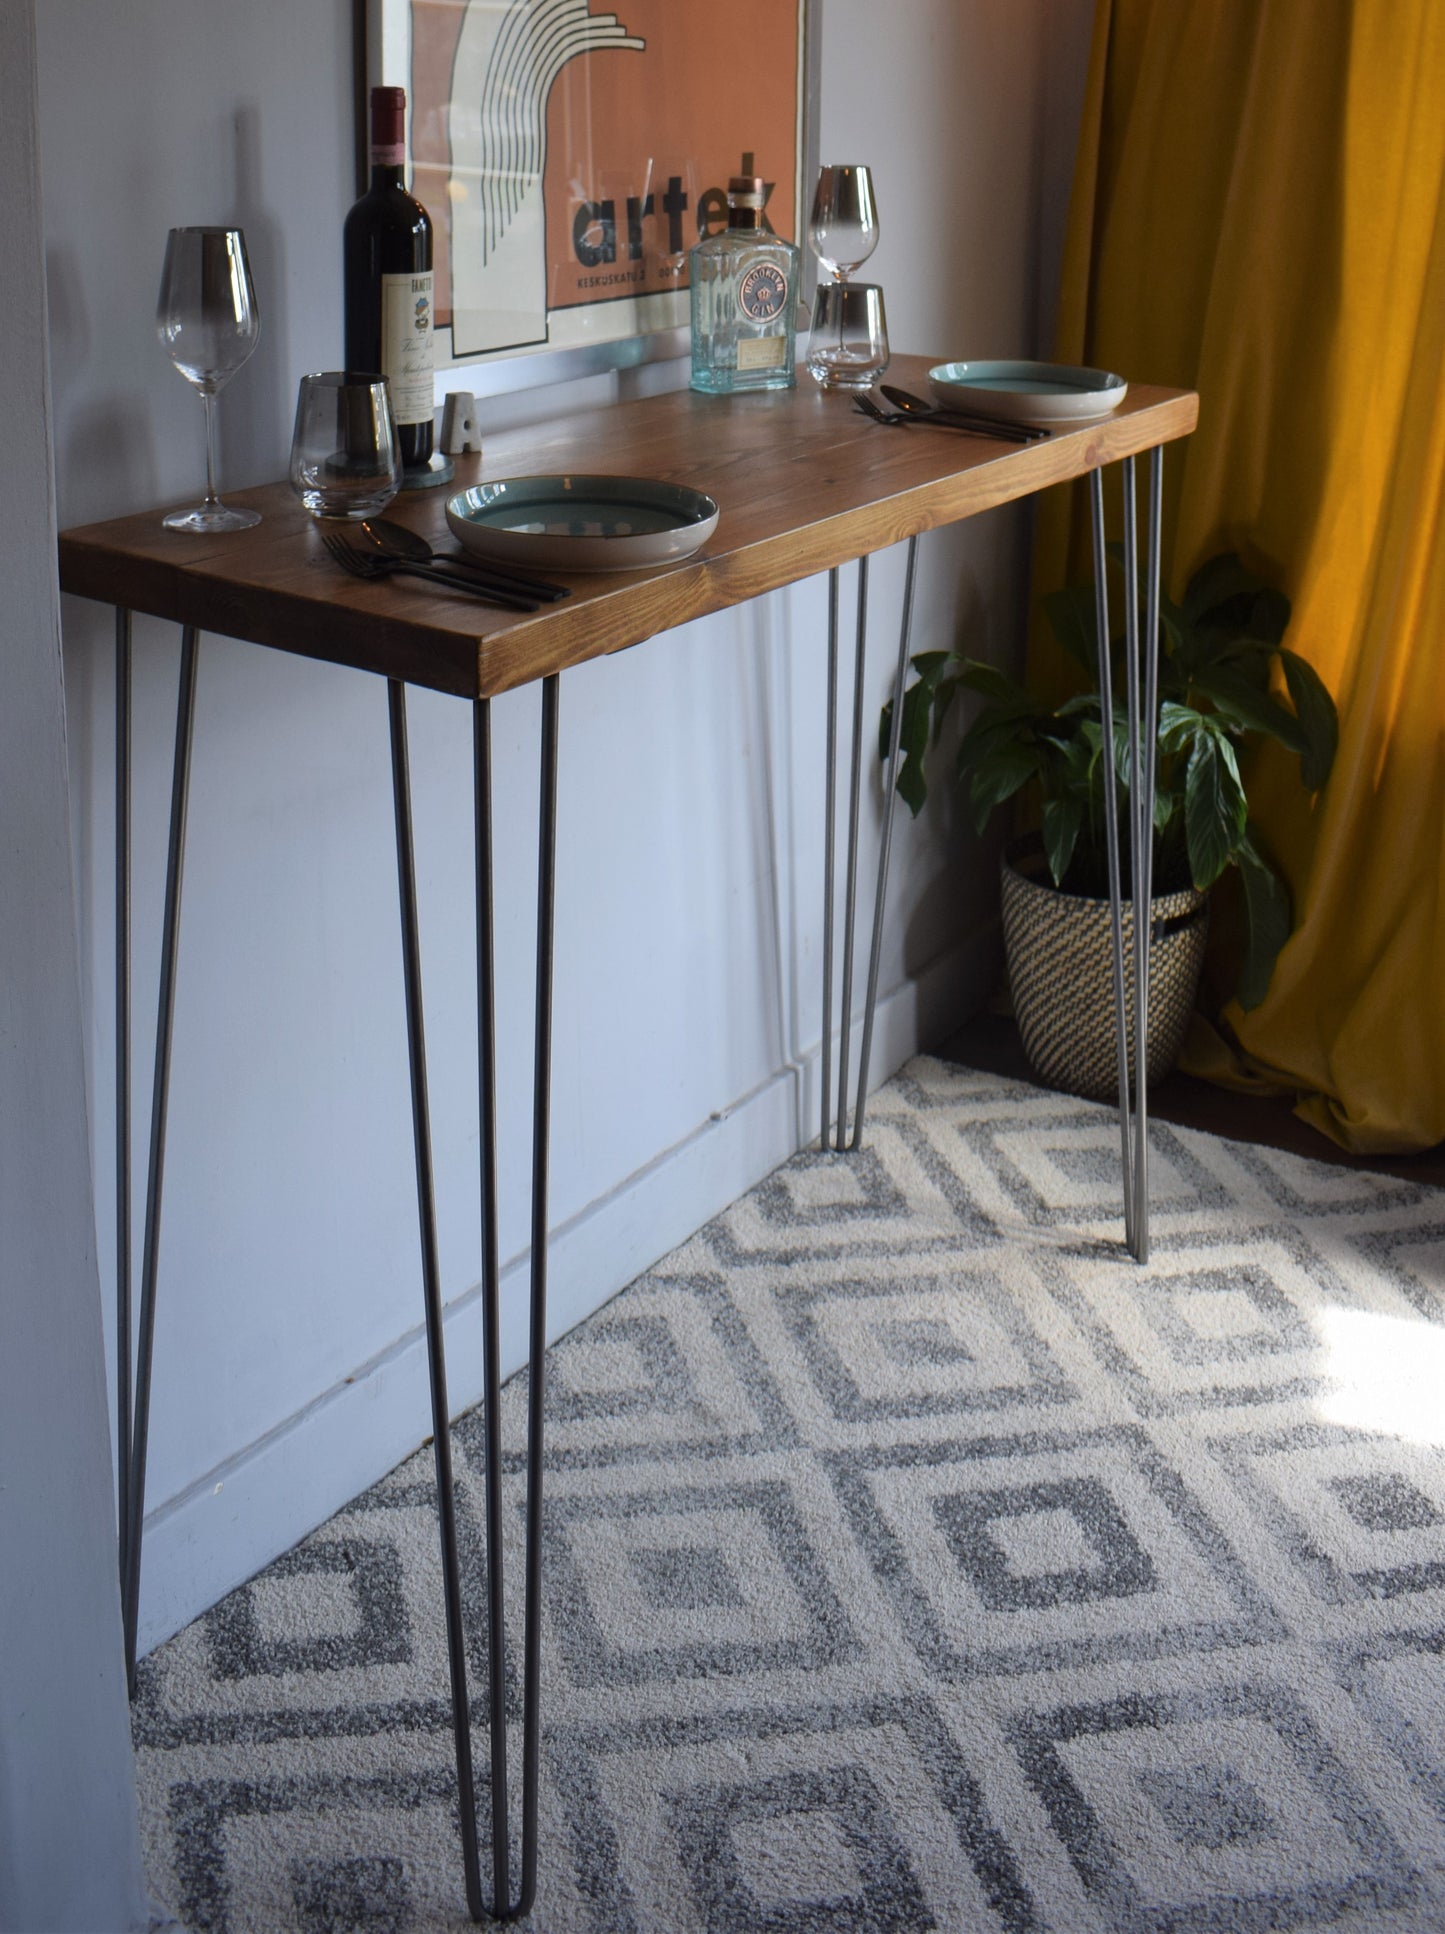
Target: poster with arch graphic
570,155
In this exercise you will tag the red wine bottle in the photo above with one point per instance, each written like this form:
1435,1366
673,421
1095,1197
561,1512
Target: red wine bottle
386,251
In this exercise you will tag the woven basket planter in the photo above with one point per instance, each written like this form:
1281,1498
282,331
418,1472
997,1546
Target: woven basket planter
1061,976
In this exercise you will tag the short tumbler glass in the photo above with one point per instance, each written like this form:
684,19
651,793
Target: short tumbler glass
344,456
848,347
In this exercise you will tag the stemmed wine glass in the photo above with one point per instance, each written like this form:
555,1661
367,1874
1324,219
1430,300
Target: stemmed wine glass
208,323
848,348
843,229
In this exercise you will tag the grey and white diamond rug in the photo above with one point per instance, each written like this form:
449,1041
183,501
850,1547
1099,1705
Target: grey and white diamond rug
914,1561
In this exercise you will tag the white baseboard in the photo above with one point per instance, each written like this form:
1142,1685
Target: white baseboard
221,1530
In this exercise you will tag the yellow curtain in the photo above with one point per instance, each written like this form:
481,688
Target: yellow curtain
1258,215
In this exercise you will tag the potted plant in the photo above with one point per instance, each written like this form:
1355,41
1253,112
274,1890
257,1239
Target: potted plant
1219,652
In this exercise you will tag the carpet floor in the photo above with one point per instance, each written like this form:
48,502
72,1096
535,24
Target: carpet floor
914,1561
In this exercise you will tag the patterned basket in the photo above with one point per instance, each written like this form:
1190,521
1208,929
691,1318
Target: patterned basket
1061,976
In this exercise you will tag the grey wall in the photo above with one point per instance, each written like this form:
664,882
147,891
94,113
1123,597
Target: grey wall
288,1367
69,1845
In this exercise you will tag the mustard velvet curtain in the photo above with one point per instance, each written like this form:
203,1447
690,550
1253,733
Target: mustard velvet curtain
1258,215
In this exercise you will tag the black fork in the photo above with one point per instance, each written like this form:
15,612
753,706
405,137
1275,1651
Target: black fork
901,422
360,566
870,408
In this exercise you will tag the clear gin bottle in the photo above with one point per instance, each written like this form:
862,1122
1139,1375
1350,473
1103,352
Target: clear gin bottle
744,284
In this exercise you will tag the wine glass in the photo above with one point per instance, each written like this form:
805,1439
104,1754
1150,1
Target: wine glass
843,228
208,324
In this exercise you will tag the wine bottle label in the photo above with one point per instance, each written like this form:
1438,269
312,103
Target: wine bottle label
406,345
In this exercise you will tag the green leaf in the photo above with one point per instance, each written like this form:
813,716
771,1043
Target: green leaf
1319,721
933,692
1166,809
1268,921
1061,821
1071,613
1243,703
991,682
912,785
1218,580
1229,641
1171,623
1010,767
1178,727
944,693
1269,617
993,732
928,664
1215,811
913,733
1173,618
1224,594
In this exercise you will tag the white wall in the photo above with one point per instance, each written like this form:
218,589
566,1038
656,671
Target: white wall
69,1838
288,1364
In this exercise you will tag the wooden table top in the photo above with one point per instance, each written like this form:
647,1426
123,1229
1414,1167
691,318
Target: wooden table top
804,482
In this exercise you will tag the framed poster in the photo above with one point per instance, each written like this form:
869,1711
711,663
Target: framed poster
569,157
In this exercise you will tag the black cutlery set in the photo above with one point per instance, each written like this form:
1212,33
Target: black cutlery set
385,550
909,409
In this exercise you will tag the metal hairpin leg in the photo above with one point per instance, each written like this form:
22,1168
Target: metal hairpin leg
503,1907
836,1136
890,800
491,1289
830,780
850,901
431,1292
124,1344
155,1171
1142,743
537,1345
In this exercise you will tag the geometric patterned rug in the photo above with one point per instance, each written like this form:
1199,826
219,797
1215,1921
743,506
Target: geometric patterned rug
914,1560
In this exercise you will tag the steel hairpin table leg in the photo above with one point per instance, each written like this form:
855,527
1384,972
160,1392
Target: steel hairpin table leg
124,1342
1143,926
537,1345
1132,991
155,1173
835,1135
850,900
431,1292
830,783
491,1290
503,1907
890,800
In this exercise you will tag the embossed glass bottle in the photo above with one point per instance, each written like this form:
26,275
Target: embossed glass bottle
744,284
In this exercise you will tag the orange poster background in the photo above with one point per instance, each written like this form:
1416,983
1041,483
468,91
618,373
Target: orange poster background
714,82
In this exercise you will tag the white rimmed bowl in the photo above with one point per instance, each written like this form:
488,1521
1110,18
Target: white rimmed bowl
578,523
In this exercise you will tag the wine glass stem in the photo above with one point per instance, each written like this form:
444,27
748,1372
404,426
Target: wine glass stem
212,500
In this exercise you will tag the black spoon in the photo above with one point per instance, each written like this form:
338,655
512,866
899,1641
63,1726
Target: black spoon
396,540
915,406
906,419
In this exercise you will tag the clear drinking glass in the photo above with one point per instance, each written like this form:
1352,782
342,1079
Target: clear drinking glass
843,228
345,458
848,347
208,323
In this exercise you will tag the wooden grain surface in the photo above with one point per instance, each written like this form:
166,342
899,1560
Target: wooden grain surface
803,482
